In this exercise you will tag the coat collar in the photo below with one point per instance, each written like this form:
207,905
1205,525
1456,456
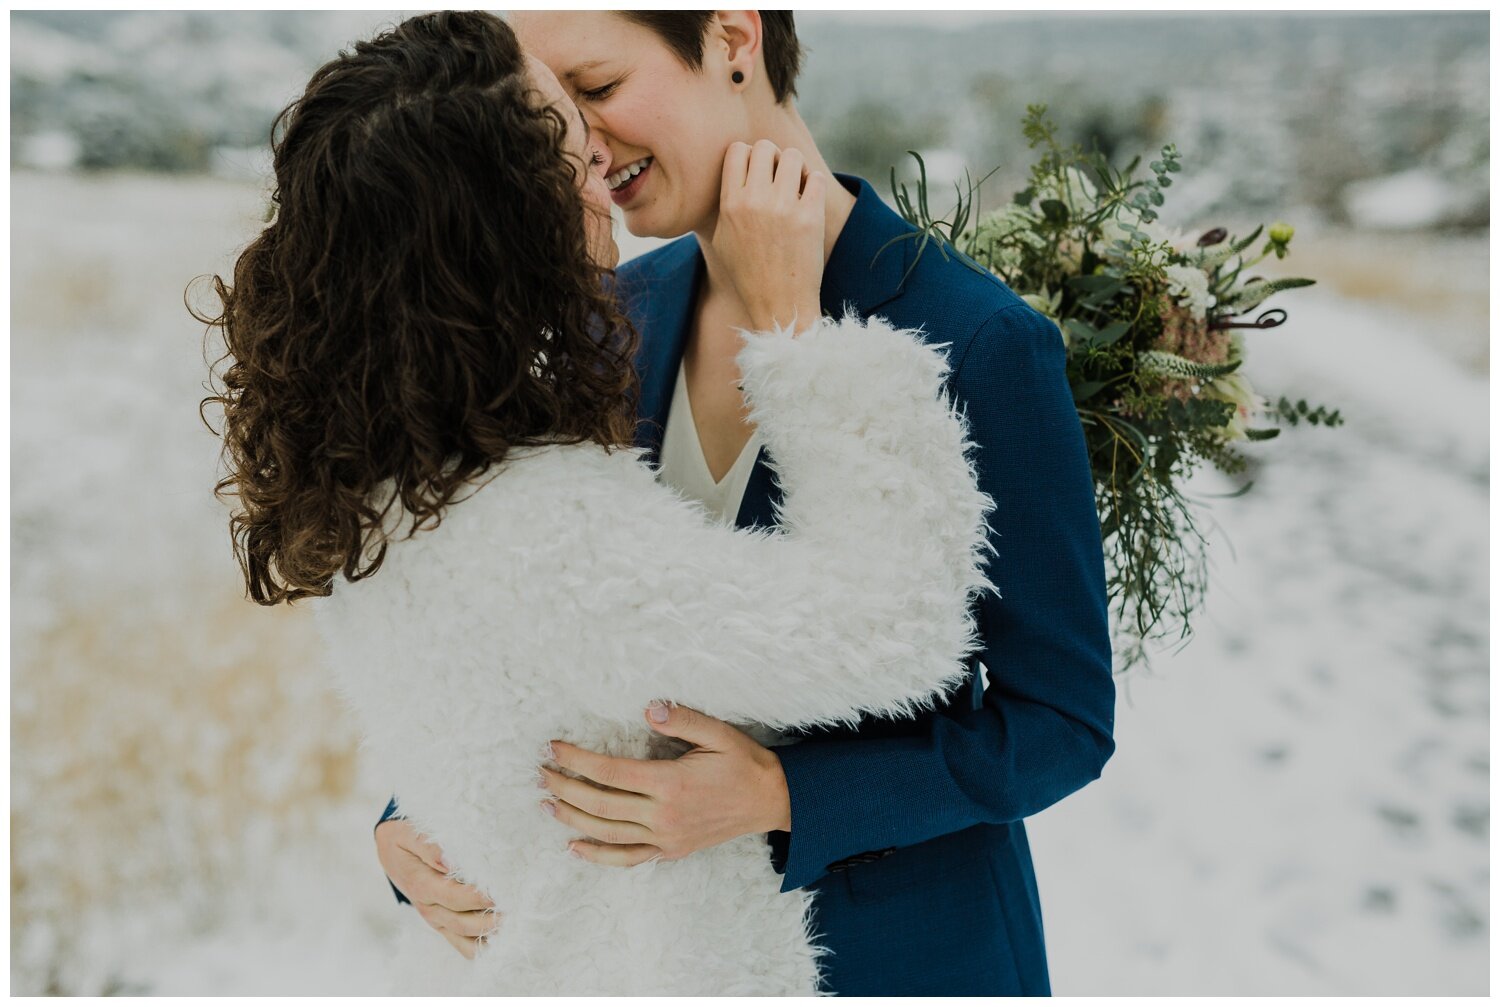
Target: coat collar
862,273
861,270
663,315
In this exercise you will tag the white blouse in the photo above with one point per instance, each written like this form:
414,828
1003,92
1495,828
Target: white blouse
684,468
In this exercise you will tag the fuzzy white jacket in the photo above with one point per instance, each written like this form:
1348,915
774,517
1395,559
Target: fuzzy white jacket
569,591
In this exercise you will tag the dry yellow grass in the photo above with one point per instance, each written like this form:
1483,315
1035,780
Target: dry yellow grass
162,761
1441,281
168,737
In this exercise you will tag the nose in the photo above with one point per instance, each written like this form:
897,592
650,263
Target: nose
590,115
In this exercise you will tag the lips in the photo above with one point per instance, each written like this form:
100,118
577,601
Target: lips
626,183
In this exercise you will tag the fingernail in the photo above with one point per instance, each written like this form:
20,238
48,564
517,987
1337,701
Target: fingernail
551,752
657,712
541,780
443,866
550,808
573,851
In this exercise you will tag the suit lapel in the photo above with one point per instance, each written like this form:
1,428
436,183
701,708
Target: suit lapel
864,270
862,274
662,308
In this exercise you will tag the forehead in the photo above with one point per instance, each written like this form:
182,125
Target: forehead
544,80
572,42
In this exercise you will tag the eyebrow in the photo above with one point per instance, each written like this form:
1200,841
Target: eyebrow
582,67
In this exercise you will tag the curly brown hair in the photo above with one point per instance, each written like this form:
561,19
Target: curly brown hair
423,302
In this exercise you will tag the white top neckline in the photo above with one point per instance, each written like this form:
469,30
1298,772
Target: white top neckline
685,469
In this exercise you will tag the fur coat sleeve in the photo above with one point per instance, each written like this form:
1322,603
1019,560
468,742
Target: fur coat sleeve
859,604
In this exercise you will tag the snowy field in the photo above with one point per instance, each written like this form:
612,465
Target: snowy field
1298,804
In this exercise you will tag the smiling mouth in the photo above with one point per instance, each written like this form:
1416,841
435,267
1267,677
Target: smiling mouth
622,178
626,183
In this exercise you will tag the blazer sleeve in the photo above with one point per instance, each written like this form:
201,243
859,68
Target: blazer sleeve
861,604
1045,725
385,816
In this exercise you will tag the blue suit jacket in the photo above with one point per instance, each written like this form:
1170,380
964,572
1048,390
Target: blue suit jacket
909,831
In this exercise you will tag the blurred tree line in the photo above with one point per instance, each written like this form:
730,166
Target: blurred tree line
1272,111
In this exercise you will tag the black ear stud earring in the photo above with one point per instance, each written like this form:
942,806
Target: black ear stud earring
737,77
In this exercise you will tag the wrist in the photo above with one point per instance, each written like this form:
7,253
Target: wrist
799,318
808,315
777,800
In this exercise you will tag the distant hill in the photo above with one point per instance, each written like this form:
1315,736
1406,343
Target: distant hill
1269,110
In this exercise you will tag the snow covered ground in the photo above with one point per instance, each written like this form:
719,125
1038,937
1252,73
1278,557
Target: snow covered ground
1298,804
1299,799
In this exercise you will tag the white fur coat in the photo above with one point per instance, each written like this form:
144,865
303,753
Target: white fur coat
571,590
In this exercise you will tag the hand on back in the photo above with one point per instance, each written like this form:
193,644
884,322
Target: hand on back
461,913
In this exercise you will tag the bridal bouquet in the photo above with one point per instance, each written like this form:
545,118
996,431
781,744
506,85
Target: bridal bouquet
1153,323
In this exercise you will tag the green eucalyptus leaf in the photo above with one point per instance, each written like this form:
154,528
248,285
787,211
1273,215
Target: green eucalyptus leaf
1098,281
1086,389
1200,414
1111,333
1080,331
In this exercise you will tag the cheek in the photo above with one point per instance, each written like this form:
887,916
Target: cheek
704,133
638,122
596,195
689,156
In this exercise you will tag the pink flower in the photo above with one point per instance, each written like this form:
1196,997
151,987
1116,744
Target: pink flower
1188,335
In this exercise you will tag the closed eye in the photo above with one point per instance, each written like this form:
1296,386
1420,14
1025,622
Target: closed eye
599,93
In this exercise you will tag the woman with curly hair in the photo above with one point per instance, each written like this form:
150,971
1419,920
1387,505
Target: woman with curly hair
428,421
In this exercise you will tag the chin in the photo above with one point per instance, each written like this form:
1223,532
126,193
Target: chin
644,224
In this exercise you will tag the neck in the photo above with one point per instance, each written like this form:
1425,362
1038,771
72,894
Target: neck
783,126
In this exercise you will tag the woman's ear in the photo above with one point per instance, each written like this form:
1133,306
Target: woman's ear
736,36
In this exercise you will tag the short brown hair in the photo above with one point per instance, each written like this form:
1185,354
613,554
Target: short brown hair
422,303
683,31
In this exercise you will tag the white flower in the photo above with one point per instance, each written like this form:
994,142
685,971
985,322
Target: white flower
1189,285
1012,222
1236,344
1000,235
1048,304
1235,388
1045,301
1179,241
1110,231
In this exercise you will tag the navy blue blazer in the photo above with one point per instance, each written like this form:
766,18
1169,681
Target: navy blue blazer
910,831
